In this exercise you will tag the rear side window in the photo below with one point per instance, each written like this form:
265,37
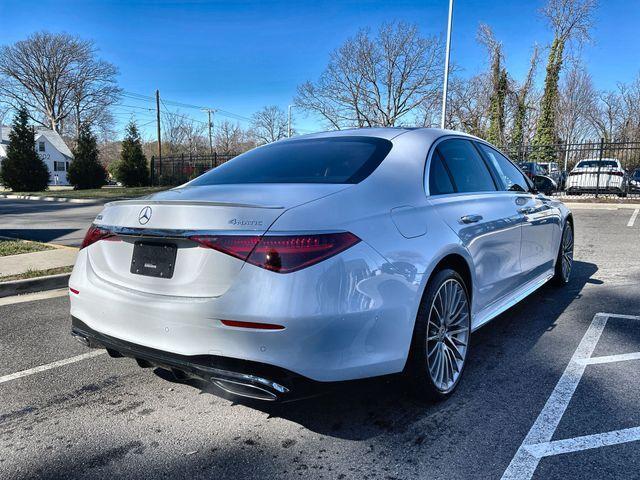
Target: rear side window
595,163
439,179
467,169
320,160
511,177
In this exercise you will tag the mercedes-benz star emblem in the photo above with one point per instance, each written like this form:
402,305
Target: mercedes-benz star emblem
145,215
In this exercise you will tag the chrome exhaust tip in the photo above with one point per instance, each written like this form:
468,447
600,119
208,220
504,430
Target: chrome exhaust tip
251,387
81,338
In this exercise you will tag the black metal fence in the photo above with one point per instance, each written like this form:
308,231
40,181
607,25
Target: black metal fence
178,169
557,162
613,167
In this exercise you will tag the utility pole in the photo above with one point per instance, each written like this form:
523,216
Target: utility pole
209,112
289,122
158,122
446,67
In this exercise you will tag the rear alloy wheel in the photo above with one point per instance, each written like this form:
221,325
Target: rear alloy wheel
441,336
564,263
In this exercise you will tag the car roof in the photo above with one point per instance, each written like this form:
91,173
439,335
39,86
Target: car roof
388,133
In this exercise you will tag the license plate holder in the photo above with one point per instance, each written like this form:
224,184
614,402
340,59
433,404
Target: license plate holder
153,259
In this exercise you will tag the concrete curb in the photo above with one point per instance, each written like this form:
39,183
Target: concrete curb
31,285
601,206
56,199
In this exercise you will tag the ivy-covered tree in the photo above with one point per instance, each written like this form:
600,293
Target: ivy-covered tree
86,171
499,85
132,170
522,101
570,20
23,170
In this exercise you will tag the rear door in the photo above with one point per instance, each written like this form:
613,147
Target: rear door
540,221
466,195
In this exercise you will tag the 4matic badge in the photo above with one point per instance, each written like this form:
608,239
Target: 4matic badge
245,223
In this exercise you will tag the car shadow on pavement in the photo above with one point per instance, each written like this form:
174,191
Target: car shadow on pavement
38,234
364,409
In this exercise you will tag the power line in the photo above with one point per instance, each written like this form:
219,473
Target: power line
173,103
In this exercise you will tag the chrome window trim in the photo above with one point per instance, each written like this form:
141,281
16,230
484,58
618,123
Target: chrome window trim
427,168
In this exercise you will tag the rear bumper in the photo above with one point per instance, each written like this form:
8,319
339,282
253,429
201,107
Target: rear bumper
345,318
238,377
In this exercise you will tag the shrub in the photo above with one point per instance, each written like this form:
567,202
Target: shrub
132,170
86,171
23,170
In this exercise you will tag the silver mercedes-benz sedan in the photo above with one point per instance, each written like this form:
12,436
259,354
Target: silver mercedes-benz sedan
322,258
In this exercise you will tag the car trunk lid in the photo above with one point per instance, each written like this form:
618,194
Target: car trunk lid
171,217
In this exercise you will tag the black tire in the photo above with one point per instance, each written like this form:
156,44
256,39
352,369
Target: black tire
419,364
561,277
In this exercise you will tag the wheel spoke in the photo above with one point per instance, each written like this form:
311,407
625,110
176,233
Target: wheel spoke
454,349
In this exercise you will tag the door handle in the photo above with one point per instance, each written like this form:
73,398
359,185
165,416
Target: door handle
526,210
470,218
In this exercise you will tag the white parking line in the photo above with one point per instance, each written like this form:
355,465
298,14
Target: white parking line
537,444
623,357
586,442
49,366
632,220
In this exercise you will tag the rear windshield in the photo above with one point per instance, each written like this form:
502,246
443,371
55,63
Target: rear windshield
320,160
594,163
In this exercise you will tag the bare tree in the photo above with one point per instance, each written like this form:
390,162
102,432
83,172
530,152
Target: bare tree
269,125
631,103
469,104
376,81
521,95
607,116
183,135
575,105
56,76
231,139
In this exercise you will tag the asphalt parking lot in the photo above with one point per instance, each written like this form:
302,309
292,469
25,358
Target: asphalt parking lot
57,222
551,391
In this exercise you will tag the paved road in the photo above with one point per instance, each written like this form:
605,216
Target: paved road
62,223
107,418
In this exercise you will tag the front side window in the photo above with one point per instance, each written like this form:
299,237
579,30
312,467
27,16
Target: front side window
468,171
319,160
512,179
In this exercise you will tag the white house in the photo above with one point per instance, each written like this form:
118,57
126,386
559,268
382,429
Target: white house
50,147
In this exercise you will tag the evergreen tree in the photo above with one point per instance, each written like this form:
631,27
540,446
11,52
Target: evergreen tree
23,170
85,171
132,170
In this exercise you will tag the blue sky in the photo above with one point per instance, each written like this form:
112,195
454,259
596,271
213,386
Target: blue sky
241,55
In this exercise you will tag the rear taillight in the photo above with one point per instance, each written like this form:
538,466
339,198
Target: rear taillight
280,253
239,246
95,234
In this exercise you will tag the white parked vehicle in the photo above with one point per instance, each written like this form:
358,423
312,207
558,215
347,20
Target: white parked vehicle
326,257
591,175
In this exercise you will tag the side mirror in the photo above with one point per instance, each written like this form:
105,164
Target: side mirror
544,184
